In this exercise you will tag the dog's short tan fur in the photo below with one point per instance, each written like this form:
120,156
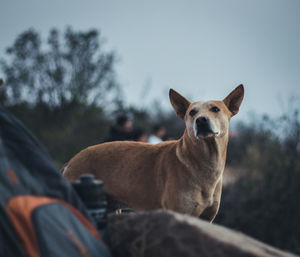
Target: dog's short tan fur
183,175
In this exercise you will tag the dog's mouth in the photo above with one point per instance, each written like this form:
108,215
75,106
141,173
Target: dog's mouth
205,132
204,129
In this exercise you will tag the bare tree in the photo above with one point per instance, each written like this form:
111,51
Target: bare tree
72,69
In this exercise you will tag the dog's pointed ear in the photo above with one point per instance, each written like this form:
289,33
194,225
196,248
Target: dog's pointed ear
179,103
234,100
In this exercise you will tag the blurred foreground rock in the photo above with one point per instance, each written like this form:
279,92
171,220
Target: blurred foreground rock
168,234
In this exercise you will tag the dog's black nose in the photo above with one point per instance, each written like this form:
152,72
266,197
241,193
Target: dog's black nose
201,120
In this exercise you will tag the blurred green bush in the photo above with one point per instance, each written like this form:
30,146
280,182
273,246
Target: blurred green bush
265,201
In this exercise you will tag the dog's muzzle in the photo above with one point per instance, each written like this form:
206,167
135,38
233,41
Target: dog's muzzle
203,127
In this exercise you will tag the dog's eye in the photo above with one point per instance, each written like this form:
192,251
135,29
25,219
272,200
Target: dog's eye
214,109
193,112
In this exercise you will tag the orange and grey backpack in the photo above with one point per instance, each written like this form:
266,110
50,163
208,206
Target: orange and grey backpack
40,214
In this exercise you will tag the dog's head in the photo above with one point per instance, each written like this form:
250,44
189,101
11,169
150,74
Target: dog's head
207,119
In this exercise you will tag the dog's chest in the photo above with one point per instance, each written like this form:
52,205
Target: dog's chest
195,201
202,191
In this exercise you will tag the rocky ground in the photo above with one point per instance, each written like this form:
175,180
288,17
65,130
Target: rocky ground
166,234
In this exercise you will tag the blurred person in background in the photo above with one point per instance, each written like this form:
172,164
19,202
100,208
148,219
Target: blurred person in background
157,135
140,135
122,130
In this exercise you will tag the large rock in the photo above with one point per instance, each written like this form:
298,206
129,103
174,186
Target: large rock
168,234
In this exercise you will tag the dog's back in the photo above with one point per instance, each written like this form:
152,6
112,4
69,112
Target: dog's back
130,170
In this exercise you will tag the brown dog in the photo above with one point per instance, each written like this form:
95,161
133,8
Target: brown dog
183,175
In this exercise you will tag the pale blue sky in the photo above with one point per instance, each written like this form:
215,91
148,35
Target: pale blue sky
203,49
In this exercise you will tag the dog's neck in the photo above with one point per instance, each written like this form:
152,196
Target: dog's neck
204,157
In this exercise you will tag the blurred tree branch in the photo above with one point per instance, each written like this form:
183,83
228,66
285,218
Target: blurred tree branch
75,69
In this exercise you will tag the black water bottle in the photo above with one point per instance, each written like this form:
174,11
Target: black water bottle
91,191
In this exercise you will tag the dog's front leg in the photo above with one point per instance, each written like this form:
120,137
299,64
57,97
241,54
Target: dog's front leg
211,211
